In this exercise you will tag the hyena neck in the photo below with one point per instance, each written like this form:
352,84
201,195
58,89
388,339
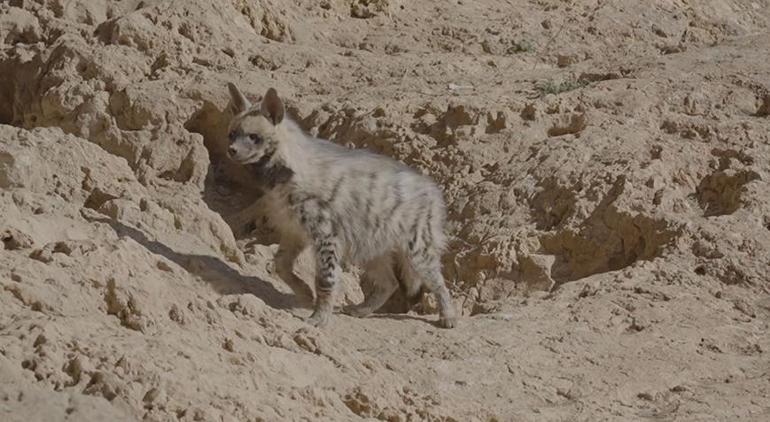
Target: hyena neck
271,175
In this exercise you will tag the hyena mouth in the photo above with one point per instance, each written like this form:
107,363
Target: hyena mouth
247,159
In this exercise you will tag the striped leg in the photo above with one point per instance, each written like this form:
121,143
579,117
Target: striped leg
321,229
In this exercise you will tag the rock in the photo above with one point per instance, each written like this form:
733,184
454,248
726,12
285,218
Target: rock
13,239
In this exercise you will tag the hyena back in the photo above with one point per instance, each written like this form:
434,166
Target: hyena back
348,205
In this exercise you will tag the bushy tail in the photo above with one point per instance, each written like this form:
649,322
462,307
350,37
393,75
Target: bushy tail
408,281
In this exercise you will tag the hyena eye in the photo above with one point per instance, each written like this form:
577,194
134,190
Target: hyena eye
232,135
255,138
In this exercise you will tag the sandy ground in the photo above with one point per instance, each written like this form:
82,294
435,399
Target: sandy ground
605,164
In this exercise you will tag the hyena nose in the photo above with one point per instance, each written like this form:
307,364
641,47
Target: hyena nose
231,151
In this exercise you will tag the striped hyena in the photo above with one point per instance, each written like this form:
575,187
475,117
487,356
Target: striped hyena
349,205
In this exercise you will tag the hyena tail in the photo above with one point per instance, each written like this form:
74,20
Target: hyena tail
409,282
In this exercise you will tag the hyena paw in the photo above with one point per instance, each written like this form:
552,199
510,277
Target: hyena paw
358,311
447,321
318,319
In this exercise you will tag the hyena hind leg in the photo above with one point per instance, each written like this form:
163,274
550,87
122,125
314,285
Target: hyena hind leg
379,273
288,251
427,266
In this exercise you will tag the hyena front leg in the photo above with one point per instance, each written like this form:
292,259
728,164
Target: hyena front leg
380,273
320,227
288,251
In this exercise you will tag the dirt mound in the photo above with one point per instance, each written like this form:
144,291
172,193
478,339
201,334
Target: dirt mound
605,166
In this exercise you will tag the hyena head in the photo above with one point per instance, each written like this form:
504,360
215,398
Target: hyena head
253,130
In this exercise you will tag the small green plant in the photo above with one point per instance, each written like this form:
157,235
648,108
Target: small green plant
522,46
556,88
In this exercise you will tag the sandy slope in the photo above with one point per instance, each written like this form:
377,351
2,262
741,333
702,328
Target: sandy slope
605,165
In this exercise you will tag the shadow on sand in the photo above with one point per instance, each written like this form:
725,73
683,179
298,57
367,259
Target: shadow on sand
219,275
405,317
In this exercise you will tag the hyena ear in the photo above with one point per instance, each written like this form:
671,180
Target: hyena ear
272,106
238,101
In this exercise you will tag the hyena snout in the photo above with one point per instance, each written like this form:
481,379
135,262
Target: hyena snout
238,152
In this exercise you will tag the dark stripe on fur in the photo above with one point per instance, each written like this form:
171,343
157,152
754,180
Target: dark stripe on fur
336,189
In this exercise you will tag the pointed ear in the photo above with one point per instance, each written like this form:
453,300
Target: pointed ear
272,106
238,101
